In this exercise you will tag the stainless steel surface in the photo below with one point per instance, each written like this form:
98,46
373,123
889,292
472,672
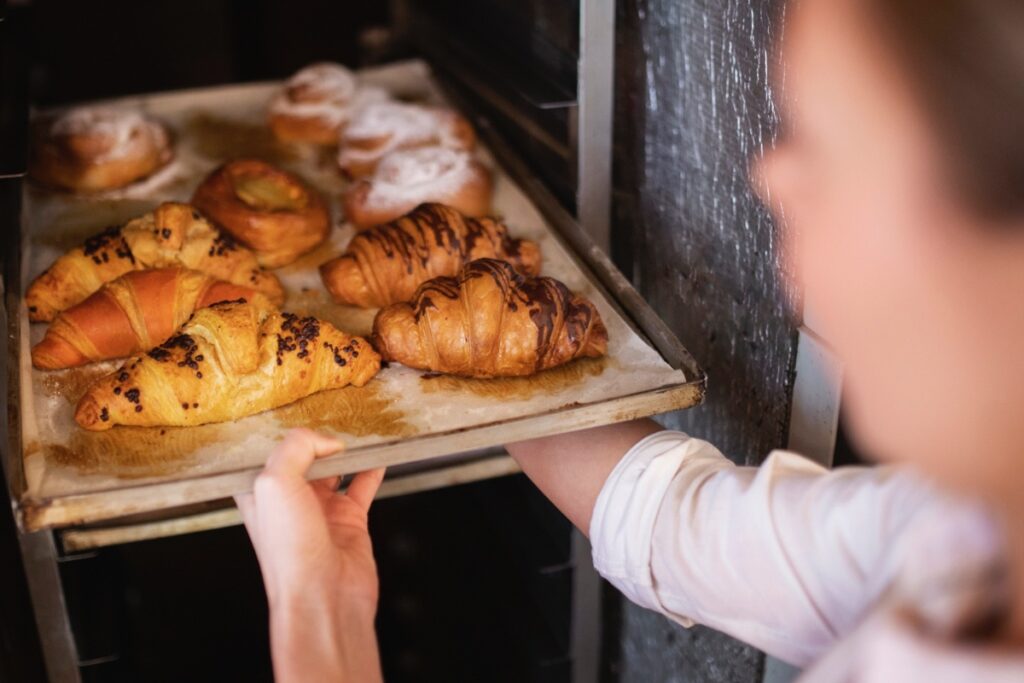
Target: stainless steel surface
595,94
39,554
586,613
499,99
814,417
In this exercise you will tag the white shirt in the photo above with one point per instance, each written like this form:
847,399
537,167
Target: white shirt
807,564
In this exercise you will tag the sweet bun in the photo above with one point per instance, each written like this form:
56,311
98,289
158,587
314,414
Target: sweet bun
91,149
317,102
384,127
265,208
407,178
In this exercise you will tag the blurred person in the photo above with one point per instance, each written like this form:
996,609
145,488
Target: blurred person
899,176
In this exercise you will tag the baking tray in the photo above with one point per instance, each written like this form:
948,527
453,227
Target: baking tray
62,476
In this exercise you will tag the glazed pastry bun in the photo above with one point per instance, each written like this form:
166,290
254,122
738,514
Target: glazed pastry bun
265,208
407,178
384,127
317,102
91,149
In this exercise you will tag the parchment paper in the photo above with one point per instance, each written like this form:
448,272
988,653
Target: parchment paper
211,125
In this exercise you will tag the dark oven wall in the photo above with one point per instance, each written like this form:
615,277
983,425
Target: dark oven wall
90,50
692,108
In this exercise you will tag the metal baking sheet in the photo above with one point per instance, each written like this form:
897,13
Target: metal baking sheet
70,476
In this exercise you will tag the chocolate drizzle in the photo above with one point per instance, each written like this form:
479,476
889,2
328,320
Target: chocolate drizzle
99,247
222,244
562,319
430,241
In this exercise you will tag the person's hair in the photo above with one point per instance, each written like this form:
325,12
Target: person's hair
965,59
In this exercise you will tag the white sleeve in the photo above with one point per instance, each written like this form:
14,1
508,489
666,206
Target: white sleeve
786,556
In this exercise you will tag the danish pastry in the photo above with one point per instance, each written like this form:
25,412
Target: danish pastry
268,210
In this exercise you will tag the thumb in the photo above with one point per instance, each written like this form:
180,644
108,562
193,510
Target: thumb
296,453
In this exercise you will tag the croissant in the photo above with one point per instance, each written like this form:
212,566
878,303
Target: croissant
385,265
172,235
133,313
491,321
232,359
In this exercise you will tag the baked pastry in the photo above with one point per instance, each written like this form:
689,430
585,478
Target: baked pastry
133,313
384,127
232,359
407,178
90,149
385,265
268,210
172,235
317,102
490,321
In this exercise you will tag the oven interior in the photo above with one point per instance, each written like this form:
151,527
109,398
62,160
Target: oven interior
478,579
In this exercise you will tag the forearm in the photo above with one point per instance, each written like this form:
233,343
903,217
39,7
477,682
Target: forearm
317,640
570,469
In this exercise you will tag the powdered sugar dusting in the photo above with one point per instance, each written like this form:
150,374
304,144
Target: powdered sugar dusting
395,125
114,133
419,175
324,91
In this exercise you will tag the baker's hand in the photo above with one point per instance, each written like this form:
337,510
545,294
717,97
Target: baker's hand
317,562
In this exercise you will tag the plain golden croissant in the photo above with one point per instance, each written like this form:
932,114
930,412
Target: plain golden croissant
172,235
491,321
385,265
133,313
230,360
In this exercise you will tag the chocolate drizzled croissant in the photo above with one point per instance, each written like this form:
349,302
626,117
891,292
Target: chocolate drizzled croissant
385,265
490,321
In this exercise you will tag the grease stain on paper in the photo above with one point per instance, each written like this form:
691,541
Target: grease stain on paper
359,411
546,382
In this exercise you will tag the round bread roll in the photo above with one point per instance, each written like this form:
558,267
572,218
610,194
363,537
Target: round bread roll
407,178
381,128
91,149
317,102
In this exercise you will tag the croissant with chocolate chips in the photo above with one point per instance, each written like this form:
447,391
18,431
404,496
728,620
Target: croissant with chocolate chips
172,235
385,265
230,360
490,321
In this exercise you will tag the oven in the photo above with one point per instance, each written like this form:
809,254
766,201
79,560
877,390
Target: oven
481,578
